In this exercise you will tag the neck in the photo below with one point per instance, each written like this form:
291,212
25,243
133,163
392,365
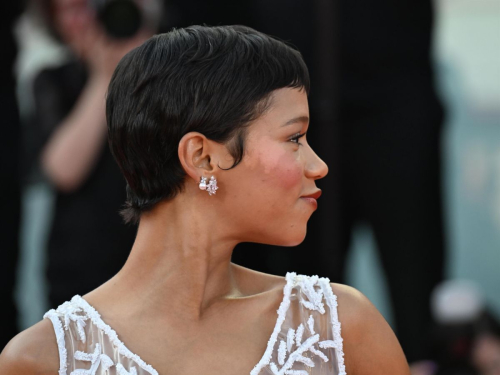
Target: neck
182,253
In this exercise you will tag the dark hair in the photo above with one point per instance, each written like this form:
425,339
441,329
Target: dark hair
212,80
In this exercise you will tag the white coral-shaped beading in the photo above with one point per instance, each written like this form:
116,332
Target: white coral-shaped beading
121,370
314,300
315,292
287,356
73,313
96,359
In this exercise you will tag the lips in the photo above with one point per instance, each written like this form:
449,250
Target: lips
315,195
312,198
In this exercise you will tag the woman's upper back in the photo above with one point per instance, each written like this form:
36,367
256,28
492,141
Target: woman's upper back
306,339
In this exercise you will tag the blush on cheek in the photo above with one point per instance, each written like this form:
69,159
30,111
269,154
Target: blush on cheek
281,166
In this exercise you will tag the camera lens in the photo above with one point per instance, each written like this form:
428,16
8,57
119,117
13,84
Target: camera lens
121,18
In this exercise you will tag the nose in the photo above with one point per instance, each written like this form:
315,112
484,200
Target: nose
316,168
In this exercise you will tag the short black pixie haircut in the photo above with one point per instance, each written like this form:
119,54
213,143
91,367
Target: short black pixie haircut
211,80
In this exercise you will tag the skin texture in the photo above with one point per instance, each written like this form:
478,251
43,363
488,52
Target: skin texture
179,293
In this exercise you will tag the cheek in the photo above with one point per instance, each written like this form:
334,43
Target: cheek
280,168
287,172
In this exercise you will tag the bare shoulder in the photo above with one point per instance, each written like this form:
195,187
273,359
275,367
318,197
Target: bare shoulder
370,345
354,309
33,351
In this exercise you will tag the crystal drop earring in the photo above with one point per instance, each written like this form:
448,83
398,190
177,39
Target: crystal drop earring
212,186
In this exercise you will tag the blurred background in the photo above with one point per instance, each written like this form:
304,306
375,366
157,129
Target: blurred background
405,110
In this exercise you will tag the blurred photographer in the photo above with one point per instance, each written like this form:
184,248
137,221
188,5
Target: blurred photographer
71,148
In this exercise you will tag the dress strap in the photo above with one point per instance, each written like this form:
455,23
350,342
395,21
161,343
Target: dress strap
285,304
303,345
331,301
61,344
74,320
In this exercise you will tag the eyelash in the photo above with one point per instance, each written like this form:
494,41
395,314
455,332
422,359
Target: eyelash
295,138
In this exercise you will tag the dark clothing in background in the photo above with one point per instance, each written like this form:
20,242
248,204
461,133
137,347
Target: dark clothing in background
88,241
10,186
391,121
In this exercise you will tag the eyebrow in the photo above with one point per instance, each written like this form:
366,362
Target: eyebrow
296,120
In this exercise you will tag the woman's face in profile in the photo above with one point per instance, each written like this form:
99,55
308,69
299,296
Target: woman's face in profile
264,193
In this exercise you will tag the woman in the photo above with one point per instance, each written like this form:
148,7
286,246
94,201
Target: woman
208,127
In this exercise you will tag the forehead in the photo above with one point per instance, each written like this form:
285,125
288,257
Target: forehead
285,105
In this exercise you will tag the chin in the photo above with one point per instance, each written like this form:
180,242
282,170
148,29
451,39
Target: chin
295,243
293,240
287,237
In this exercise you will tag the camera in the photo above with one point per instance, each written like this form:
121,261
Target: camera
121,19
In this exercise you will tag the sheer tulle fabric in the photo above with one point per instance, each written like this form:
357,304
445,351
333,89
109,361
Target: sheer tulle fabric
306,339
88,346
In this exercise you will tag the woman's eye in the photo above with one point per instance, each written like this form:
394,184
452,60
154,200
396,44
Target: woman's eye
295,138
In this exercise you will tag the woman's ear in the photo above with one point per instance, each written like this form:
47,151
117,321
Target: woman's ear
194,154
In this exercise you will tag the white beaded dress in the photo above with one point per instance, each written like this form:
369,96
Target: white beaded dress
306,339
